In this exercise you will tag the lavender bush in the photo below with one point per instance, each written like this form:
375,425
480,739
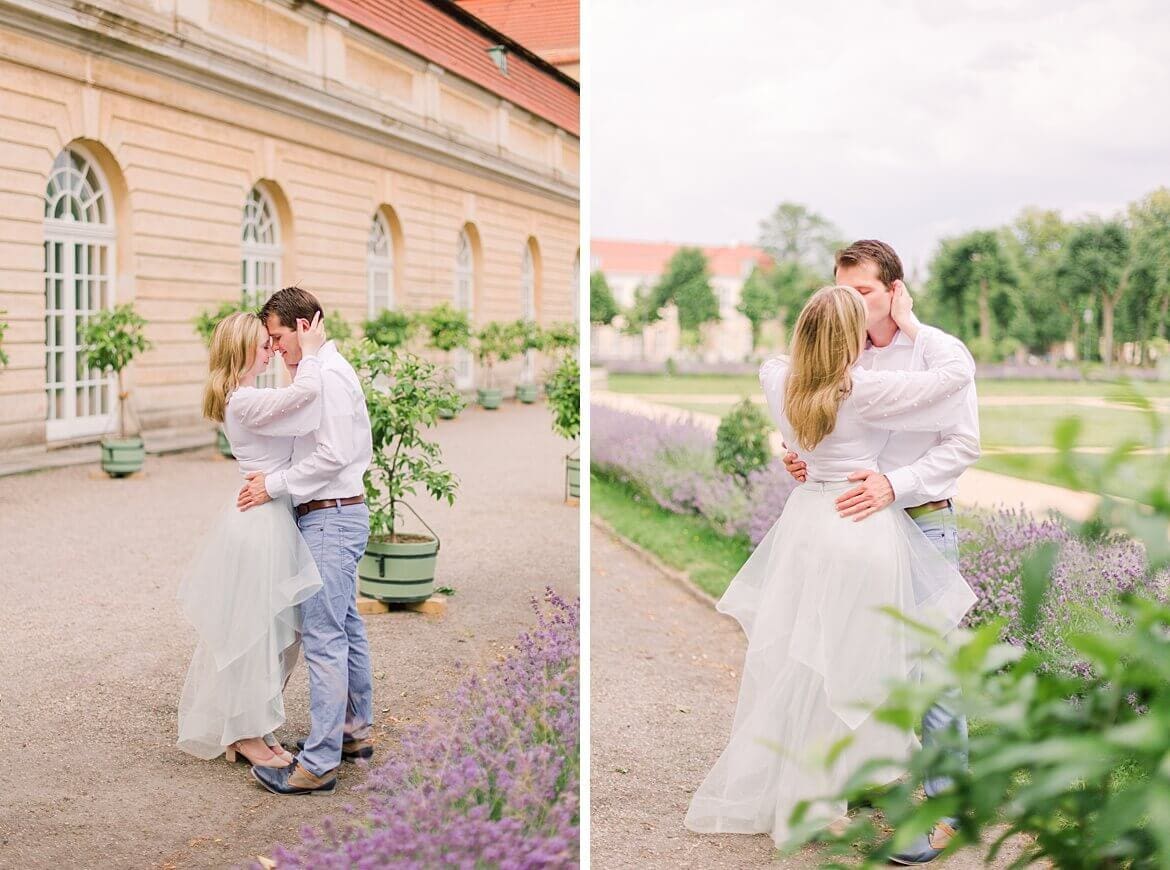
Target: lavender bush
673,463
490,781
1087,578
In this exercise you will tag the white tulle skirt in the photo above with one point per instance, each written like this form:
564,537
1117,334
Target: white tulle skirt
819,658
241,593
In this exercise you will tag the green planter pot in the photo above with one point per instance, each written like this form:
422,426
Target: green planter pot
398,572
527,393
490,399
122,456
225,446
573,476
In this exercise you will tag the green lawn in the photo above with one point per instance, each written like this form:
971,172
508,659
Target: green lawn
687,544
1033,426
748,384
1132,480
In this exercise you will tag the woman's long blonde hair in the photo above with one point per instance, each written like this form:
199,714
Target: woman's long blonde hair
825,344
233,351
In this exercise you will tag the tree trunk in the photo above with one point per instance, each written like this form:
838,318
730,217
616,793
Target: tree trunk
1162,314
121,408
1107,305
985,311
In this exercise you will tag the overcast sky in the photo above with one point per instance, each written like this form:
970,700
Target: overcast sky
904,120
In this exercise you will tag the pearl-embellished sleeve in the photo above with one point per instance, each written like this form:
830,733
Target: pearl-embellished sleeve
291,410
772,374
917,401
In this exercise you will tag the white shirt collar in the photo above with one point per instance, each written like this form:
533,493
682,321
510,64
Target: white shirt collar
900,339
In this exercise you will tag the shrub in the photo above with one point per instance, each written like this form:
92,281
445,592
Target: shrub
741,441
390,329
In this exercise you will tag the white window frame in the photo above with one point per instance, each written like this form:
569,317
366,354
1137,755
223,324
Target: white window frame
464,292
260,259
379,264
97,239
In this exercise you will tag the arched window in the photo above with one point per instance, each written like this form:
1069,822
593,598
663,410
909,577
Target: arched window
380,266
260,258
79,282
528,305
260,264
464,301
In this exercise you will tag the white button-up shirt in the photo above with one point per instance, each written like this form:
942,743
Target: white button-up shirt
331,461
925,466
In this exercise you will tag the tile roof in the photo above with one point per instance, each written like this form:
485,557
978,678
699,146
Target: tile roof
650,258
457,41
551,28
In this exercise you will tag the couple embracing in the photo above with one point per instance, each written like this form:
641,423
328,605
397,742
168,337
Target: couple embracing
277,571
880,416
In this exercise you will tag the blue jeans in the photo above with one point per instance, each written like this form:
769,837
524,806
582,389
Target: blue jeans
334,637
942,530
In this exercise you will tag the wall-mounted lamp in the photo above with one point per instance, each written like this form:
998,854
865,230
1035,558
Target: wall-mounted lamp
499,54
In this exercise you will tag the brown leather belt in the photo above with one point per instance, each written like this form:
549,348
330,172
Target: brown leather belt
322,503
921,509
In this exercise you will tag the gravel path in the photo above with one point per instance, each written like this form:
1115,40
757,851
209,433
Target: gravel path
93,650
665,671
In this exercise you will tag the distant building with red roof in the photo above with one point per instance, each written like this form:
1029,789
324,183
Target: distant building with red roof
629,266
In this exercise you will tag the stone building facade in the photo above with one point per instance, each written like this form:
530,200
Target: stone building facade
180,153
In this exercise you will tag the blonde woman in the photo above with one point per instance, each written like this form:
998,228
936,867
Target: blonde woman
242,591
819,651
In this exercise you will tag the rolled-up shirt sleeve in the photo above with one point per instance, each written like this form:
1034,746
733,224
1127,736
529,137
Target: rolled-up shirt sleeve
334,446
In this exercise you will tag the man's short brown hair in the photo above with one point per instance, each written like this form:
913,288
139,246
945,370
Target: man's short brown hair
290,305
872,251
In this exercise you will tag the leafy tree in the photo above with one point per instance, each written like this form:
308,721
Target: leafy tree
495,342
207,321
776,293
1146,305
973,277
337,327
688,285
741,441
603,308
112,339
1098,264
1045,313
448,328
643,312
404,396
793,233
391,329
563,392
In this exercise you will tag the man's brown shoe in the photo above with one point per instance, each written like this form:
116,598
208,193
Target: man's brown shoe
294,779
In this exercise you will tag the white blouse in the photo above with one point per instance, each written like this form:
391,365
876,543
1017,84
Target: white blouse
262,423
880,402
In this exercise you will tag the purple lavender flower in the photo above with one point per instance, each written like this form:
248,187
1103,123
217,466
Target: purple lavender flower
492,780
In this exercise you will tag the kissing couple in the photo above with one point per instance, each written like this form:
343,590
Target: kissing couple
277,572
880,416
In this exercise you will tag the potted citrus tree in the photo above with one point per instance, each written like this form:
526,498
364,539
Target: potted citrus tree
448,329
528,336
205,324
112,339
404,396
563,391
390,329
494,343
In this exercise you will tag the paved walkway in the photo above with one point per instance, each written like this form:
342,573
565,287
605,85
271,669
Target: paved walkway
977,488
95,651
665,681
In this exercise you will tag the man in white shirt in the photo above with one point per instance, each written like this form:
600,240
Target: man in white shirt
326,484
917,471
